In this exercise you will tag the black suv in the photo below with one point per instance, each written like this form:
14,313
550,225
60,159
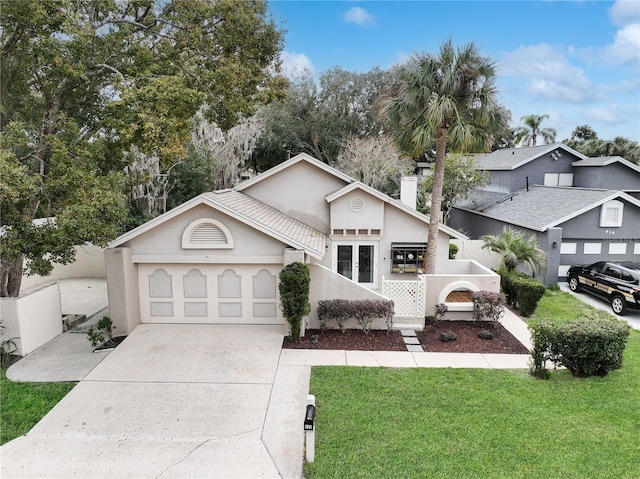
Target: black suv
616,281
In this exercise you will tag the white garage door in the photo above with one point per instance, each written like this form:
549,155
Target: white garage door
229,294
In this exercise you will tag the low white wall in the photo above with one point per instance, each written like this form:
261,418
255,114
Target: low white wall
472,250
34,318
466,275
327,284
89,263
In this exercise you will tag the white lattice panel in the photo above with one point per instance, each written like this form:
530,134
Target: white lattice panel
408,297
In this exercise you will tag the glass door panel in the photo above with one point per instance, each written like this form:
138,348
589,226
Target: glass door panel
345,260
365,263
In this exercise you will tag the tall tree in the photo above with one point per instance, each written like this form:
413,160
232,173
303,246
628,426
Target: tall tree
317,117
449,97
461,177
619,146
529,133
375,161
83,81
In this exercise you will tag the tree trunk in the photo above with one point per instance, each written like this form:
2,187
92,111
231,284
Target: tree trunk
11,276
436,201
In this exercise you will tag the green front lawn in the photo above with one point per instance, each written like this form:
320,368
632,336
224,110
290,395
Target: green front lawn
469,423
22,405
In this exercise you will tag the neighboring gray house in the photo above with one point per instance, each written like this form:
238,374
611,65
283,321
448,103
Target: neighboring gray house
581,209
216,258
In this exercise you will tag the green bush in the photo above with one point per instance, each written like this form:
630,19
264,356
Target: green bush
488,306
592,345
102,332
294,296
522,291
453,251
364,312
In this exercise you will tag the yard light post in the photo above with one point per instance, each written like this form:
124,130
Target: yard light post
309,428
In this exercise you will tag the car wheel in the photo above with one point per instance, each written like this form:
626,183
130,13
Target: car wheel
619,305
574,284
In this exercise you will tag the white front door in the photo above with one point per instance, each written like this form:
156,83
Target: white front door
357,261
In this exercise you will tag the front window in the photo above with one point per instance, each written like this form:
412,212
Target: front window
408,257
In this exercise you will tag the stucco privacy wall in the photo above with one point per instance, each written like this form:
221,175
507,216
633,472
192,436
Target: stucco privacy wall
299,191
34,318
89,263
327,284
122,289
460,275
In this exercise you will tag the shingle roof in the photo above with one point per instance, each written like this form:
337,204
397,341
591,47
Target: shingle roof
540,207
604,161
511,158
252,211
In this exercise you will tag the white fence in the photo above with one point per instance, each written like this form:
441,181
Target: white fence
408,297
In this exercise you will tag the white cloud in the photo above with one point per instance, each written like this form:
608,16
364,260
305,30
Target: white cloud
604,115
295,64
359,16
624,12
549,73
625,49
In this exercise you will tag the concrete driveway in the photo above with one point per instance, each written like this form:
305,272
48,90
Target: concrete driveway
632,317
184,401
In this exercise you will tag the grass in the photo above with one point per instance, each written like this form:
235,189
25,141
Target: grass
22,405
471,423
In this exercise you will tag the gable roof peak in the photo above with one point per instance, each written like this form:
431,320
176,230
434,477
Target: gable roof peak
300,157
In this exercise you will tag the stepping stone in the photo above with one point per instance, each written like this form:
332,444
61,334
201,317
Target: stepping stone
408,332
414,348
409,340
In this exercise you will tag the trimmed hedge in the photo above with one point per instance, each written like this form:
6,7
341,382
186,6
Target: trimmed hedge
294,296
363,311
522,291
592,345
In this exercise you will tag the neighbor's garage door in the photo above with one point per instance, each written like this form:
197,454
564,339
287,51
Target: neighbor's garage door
231,294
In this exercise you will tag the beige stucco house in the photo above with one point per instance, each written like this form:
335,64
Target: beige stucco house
216,258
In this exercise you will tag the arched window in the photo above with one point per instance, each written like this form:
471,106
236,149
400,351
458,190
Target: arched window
207,233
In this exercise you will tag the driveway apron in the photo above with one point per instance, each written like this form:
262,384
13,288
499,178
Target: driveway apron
170,401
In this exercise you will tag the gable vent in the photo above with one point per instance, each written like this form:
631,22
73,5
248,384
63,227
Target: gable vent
356,205
209,234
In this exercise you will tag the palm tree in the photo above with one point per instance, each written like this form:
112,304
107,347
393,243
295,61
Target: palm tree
514,249
529,134
449,98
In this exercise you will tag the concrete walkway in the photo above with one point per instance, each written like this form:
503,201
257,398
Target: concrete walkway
190,401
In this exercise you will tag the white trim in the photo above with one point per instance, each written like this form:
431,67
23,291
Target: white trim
188,232
612,205
205,259
354,260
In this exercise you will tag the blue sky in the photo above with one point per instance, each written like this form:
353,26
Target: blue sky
576,61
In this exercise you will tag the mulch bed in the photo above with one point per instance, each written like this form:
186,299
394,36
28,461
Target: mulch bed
351,339
503,341
468,341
